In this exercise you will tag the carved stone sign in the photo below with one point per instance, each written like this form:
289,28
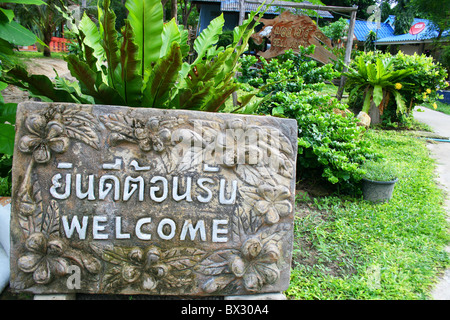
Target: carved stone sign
289,31
145,201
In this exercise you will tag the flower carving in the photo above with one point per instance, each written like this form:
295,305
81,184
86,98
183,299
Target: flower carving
257,264
158,136
270,203
149,135
43,258
45,136
144,268
50,257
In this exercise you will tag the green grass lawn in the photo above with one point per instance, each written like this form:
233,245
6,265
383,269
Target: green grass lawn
352,249
441,107
35,54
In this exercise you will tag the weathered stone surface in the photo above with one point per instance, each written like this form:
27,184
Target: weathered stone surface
261,296
144,201
363,119
56,297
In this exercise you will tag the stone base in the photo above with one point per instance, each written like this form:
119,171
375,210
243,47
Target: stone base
261,296
69,296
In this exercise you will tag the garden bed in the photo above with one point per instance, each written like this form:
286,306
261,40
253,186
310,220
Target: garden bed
352,249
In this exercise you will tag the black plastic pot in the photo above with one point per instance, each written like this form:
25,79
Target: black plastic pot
378,191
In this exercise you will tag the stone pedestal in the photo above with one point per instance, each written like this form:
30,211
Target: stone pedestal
70,296
262,296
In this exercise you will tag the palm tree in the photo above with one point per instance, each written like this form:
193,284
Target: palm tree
44,20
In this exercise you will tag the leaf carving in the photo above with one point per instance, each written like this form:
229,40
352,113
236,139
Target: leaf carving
112,280
117,255
81,125
30,210
182,258
216,263
275,233
188,150
119,123
50,224
208,38
219,283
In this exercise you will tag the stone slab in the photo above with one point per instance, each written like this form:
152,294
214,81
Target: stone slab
116,200
55,297
261,296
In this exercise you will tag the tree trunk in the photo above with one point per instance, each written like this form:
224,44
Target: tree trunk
186,12
374,113
174,10
163,3
47,39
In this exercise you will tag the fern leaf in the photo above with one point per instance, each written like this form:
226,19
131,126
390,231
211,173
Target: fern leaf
208,37
193,99
132,81
162,77
92,39
38,85
170,34
219,97
146,20
110,43
85,75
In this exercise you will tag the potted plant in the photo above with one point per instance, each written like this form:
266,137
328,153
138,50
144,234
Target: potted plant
379,181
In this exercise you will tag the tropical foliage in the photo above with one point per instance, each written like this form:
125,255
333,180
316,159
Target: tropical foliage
43,19
410,80
378,81
144,64
11,34
329,139
330,150
290,72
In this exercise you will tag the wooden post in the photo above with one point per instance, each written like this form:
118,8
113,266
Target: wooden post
348,52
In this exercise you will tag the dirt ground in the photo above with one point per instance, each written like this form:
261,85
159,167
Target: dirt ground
44,66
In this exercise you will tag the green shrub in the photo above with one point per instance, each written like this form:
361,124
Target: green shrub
225,39
290,72
329,139
415,88
378,82
5,175
337,30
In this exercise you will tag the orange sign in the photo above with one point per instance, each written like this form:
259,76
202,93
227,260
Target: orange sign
289,31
